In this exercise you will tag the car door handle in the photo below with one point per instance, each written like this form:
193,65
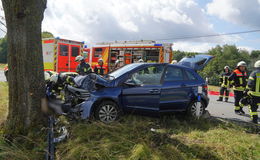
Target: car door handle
154,90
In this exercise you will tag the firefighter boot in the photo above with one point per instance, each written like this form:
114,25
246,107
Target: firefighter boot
255,119
220,99
226,99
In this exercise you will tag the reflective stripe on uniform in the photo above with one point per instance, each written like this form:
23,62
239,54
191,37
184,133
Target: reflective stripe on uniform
241,80
257,83
237,107
253,113
251,78
239,88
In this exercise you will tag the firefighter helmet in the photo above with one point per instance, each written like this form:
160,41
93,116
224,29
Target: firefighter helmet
174,62
79,58
241,64
100,60
227,67
257,64
54,78
140,60
47,76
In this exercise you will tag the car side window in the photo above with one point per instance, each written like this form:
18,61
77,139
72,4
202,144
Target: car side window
148,76
173,74
190,75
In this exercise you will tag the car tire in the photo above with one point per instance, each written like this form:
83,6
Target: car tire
107,112
196,109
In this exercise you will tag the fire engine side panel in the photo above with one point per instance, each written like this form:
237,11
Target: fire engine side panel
48,54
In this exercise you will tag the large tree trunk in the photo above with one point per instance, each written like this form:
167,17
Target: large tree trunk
25,61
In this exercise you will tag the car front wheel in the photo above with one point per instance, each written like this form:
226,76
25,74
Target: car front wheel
196,109
107,112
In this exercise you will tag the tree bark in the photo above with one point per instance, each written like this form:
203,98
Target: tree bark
25,61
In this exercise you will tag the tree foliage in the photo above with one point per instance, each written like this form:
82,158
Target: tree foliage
3,50
46,34
227,55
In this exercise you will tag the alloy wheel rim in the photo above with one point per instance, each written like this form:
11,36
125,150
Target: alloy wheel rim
108,113
197,109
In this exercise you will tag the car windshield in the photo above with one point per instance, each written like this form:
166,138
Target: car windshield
124,69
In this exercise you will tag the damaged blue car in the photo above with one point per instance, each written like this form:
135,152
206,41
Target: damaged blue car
145,88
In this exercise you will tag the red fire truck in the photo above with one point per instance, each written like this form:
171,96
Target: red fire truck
126,52
59,54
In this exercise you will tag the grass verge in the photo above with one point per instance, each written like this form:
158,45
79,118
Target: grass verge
145,138
3,101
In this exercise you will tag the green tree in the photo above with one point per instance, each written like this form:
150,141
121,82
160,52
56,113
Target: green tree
46,34
3,50
227,55
25,61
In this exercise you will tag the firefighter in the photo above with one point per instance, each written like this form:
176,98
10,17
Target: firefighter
99,68
83,68
238,79
253,90
225,84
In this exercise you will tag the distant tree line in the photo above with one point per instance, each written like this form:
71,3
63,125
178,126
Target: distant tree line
226,55
3,46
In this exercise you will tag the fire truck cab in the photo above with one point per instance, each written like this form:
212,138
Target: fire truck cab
126,52
59,54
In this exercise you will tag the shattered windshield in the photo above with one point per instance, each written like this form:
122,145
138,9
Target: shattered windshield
124,70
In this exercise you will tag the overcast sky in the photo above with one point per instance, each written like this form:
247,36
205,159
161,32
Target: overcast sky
108,20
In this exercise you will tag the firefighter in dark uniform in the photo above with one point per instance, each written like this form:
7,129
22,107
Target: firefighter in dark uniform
83,68
253,90
99,68
225,84
239,79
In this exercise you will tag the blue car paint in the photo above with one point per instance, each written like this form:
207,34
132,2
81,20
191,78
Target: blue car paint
139,98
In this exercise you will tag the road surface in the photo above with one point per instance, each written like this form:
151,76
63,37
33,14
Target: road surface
2,76
226,110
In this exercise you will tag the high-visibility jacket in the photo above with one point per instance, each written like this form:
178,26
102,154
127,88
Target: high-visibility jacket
223,79
99,69
238,80
254,83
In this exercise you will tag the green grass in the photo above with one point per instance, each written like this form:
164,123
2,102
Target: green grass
141,138
2,66
132,139
3,101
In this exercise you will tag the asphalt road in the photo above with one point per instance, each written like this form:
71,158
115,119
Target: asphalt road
226,110
2,76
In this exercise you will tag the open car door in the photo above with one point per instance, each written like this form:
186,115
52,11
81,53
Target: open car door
196,62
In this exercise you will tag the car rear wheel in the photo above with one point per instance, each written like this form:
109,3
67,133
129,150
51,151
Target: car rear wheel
196,109
107,112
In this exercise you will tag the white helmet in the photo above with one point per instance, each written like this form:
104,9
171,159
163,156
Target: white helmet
54,78
241,64
174,62
140,60
79,58
257,64
47,76
100,60
227,67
